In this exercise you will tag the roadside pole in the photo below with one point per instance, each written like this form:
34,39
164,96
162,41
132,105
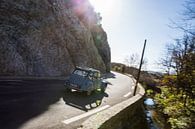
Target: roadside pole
140,66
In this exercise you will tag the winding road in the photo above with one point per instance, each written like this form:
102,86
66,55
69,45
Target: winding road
38,104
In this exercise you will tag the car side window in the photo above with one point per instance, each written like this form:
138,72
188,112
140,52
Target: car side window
81,73
91,76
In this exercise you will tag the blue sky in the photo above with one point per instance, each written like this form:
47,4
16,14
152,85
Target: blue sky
129,22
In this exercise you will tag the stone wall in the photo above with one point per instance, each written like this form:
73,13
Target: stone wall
125,115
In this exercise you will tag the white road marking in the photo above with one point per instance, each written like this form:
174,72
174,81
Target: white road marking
68,121
126,95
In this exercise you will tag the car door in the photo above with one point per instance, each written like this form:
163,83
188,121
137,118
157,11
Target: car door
97,80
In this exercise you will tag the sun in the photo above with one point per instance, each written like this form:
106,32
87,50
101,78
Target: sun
105,7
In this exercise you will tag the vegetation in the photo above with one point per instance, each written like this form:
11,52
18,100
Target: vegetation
177,98
178,85
180,114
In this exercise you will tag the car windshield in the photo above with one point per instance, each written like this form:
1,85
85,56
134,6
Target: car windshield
80,72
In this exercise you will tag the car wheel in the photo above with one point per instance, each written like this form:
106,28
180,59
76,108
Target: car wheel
103,89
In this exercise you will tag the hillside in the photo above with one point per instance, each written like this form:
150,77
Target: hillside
50,38
147,78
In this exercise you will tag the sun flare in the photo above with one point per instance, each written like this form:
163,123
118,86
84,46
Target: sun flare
105,7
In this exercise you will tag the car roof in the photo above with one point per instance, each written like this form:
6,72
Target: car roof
87,69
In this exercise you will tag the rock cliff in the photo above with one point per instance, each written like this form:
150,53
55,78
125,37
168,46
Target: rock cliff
50,38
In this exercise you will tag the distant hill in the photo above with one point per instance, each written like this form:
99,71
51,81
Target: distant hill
148,78
50,38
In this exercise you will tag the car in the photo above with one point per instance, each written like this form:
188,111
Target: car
85,80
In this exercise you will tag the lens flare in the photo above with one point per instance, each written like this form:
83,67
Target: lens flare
105,7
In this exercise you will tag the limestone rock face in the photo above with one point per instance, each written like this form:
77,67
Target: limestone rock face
50,38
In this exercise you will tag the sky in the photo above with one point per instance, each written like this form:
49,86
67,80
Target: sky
129,22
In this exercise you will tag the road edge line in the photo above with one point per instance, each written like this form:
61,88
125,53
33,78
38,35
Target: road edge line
76,118
126,95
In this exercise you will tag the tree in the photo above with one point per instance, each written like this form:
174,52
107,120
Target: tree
180,55
190,10
187,24
177,99
182,61
134,60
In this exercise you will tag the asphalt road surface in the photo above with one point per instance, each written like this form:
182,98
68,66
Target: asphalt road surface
44,104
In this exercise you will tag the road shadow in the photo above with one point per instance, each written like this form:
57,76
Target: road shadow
23,100
109,75
81,101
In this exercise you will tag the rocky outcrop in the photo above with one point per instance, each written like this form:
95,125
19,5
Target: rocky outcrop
50,38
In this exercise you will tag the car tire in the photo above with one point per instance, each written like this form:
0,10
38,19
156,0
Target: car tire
103,88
